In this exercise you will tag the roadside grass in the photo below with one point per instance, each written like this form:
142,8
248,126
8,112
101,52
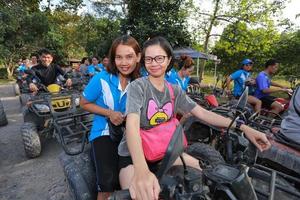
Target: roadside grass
6,81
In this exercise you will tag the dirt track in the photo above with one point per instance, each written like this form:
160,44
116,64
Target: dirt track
20,177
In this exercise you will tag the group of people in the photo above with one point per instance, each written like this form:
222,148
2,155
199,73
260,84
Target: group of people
120,94
91,66
260,95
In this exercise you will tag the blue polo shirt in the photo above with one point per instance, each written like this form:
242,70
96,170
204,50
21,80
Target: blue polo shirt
21,68
173,77
143,71
92,69
104,90
263,81
239,77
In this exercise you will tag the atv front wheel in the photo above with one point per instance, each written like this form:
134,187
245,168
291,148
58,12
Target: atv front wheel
17,89
24,98
206,154
3,119
31,140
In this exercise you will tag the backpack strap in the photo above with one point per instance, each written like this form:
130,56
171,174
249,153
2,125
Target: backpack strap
171,90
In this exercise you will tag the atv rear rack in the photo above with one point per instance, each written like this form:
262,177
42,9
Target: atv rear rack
72,131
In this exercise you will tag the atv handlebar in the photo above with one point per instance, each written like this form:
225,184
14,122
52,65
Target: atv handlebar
120,195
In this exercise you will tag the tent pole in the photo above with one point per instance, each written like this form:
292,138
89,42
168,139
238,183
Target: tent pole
215,75
197,67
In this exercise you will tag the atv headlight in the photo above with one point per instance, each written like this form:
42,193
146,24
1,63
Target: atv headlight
77,101
42,108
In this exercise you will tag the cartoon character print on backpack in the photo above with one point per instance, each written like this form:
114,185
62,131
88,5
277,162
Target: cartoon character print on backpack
157,115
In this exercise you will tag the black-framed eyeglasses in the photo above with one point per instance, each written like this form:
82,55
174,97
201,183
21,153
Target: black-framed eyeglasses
159,59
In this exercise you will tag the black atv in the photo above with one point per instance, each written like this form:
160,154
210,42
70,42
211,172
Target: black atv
222,181
43,112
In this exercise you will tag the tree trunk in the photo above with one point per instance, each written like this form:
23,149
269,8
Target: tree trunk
207,36
10,67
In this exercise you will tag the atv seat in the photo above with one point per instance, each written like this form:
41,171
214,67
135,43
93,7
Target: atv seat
282,154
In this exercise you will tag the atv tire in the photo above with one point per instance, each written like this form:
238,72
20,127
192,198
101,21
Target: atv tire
3,119
59,191
31,140
17,89
206,154
80,173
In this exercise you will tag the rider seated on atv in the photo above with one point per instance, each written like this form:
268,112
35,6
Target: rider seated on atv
263,90
95,67
22,69
46,71
290,125
240,78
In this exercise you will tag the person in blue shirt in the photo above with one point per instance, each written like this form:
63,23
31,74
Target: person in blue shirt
84,64
105,96
240,77
182,77
95,67
263,87
105,61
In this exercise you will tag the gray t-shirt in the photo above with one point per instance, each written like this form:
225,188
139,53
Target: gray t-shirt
153,106
290,125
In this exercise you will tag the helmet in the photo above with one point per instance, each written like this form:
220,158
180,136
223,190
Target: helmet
246,62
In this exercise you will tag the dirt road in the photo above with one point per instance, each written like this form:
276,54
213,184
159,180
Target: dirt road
20,177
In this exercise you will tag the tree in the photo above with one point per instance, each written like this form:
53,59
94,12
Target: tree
95,35
226,12
150,18
287,52
22,29
238,42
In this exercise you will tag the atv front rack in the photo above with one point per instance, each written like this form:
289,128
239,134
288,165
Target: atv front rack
72,131
270,184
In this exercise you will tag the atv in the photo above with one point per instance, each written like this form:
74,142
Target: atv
218,180
43,112
222,181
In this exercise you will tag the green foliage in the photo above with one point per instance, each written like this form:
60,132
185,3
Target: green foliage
96,35
22,28
287,52
150,18
239,42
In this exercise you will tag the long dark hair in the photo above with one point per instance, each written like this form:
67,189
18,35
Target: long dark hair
164,44
124,40
186,62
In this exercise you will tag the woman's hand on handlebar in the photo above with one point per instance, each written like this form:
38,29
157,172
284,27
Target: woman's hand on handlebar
33,87
69,82
257,138
144,185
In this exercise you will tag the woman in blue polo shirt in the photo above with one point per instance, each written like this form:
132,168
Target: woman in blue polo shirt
95,67
182,77
105,96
